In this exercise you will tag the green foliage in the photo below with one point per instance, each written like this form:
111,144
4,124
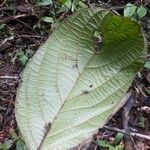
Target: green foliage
116,142
130,10
147,91
63,1
43,2
135,12
118,138
48,19
69,89
147,65
73,4
141,11
57,7
20,145
97,35
7,145
2,26
81,5
106,144
142,121
22,57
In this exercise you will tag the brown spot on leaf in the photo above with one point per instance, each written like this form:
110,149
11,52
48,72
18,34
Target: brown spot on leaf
75,66
91,86
85,92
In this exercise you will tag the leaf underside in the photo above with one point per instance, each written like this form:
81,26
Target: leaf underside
69,87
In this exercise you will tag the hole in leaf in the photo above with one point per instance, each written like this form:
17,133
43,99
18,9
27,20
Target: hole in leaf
97,40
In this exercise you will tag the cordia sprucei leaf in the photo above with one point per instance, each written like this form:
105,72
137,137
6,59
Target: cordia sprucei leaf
69,89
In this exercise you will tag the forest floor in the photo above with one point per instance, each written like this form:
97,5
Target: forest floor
23,28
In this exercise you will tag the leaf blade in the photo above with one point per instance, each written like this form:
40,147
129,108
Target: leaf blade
61,86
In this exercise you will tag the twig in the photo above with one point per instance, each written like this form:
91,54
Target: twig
109,6
88,3
95,148
129,143
23,36
146,109
26,1
3,3
108,1
80,147
7,39
9,77
30,45
17,19
134,134
27,9
29,36
54,8
138,88
11,18
7,8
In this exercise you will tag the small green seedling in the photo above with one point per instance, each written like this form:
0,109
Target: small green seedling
118,138
135,12
43,2
147,65
115,144
7,145
2,26
73,4
22,57
142,121
20,145
48,19
147,91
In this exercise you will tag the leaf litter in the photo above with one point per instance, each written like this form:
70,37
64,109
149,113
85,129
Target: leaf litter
26,35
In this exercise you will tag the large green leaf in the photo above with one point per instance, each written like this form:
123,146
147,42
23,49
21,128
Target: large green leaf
70,87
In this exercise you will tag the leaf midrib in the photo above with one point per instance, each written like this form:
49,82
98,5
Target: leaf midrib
73,86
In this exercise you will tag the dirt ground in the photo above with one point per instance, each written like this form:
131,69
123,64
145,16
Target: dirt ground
21,33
